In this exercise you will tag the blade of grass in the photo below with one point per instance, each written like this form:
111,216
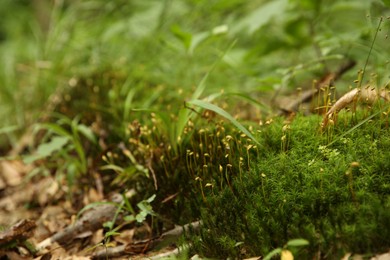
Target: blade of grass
358,125
223,113
185,114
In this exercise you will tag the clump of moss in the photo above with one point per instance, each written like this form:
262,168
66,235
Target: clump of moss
335,196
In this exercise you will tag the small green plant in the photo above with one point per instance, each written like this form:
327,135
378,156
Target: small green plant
126,212
63,148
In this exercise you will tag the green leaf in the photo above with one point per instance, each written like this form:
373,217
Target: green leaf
140,217
129,218
46,149
298,242
196,40
87,132
183,36
151,198
8,129
273,253
225,114
145,207
108,224
55,129
112,167
261,16
111,233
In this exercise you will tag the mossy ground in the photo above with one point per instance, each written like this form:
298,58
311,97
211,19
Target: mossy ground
335,196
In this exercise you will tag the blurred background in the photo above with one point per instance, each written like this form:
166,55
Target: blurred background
152,54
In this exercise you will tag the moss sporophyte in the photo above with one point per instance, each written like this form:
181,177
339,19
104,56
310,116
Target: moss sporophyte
323,193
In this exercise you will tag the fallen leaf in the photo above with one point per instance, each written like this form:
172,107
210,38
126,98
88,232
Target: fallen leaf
286,255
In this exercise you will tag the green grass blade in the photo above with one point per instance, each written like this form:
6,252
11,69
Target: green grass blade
276,251
223,113
358,125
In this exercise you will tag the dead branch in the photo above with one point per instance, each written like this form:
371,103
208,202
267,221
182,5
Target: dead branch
18,232
90,221
325,81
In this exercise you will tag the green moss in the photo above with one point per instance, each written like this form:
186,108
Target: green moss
337,196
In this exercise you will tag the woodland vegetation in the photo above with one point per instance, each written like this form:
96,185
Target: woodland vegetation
168,129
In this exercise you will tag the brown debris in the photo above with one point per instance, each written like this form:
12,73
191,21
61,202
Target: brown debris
292,105
91,221
18,232
367,94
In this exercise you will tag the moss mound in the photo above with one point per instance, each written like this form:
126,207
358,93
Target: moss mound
336,196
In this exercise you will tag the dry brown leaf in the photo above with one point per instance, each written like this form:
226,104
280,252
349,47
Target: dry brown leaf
367,94
11,172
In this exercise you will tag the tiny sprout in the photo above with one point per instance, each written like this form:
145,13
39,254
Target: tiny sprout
220,168
241,159
249,147
206,155
229,165
208,185
201,131
226,155
204,165
197,178
263,175
283,138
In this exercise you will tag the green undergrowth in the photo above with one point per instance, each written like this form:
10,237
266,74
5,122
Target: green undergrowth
337,197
